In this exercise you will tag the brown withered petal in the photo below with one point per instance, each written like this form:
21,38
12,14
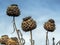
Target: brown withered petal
51,20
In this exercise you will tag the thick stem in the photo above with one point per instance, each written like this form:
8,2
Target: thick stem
33,42
15,28
58,43
47,38
53,41
19,37
31,37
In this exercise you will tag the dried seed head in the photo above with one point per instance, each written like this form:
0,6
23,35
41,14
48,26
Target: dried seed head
28,24
13,10
50,25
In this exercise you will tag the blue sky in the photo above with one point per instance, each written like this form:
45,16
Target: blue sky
40,10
